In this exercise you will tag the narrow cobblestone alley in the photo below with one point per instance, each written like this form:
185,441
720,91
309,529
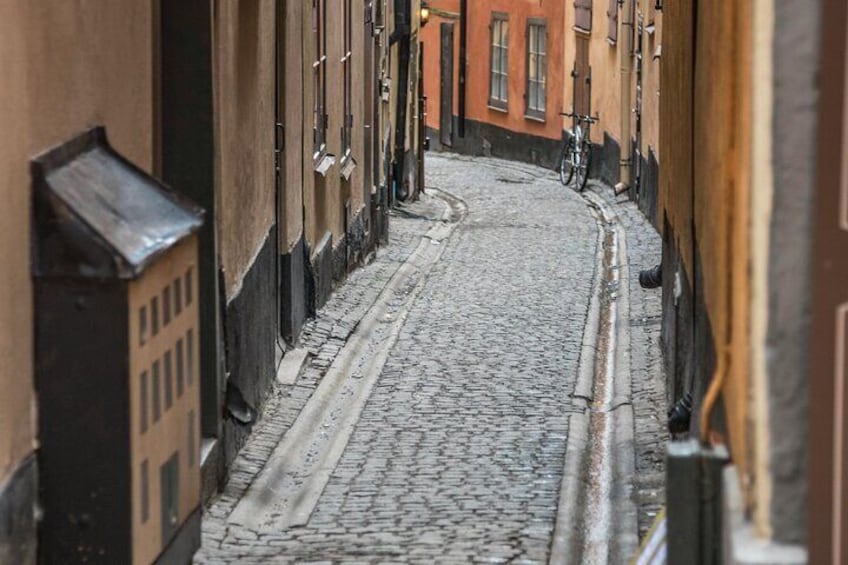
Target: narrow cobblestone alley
455,450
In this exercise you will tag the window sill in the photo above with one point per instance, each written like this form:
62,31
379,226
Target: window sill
500,109
324,163
533,118
348,165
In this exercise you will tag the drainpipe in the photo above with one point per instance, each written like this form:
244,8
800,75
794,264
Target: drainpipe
463,63
625,54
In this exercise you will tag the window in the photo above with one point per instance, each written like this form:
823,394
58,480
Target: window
144,479
190,356
346,62
178,297
169,380
154,315
191,444
157,391
536,68
583,15
166,305
143,401
142,325
612,20
319,80
498,83
180,368
188,286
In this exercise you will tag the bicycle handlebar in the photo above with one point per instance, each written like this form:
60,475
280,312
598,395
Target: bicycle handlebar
581,117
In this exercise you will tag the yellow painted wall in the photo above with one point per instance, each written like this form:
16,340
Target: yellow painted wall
170,433
245,115
606,84
651,79
66,65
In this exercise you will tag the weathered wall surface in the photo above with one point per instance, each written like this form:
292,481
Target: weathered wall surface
294,120
58,80
244,91
796,55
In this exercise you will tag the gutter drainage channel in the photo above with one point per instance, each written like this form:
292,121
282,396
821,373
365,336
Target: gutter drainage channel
596,521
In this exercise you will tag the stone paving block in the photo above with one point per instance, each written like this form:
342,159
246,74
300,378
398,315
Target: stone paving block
459,452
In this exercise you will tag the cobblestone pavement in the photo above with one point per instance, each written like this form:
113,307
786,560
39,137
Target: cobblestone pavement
644,250
458,454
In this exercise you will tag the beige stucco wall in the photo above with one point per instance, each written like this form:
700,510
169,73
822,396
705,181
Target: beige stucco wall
244,49
606,84
651,79
295,120
66,66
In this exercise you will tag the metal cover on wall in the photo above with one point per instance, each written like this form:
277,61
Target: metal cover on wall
97,215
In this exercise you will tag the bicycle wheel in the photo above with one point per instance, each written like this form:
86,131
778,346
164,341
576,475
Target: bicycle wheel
566,169
584,165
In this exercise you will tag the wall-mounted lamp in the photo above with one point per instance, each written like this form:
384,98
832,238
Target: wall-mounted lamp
424,13
658,5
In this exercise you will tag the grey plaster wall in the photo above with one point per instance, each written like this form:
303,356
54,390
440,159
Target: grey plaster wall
795,52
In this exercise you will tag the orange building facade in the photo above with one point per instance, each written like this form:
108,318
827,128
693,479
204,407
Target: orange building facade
512,82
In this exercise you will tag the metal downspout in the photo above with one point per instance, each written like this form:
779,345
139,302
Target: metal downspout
625,55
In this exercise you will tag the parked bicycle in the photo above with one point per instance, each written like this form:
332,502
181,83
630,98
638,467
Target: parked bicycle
576,157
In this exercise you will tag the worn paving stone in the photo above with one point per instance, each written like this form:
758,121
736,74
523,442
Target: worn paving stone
458,454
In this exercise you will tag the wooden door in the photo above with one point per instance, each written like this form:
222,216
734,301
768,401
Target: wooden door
582,76
828,405
446,86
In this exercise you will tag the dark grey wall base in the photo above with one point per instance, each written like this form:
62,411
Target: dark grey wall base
339,260
488,140
250,329
649,188
358,244
17,514
677,326
321,271
185,542
294,291
687,337
608,164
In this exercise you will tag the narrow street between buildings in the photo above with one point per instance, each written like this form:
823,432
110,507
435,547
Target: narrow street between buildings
487,389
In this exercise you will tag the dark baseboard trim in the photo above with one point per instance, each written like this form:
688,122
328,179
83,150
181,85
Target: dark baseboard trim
250,330
185,542
18,497
490,140
294,291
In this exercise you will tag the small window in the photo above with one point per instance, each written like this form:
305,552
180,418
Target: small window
612,20
499,68
154,315
169,380
189,289
166,305
347,62
142,325
191,443
143,401
536,68
319,79
190,356
157,391
180,368
583,15
178,297
144,481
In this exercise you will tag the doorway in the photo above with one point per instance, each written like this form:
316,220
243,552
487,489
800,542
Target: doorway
446,86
